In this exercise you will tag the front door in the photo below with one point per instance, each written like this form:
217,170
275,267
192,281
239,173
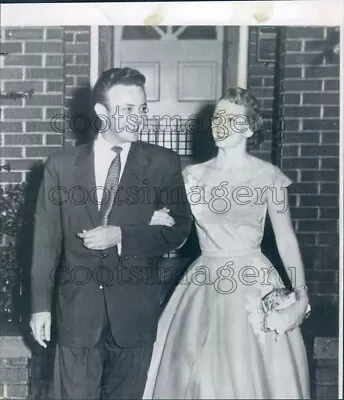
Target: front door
183,66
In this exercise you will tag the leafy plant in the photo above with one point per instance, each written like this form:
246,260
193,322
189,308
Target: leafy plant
11,222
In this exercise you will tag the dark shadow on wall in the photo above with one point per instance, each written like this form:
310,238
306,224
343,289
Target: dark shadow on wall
84,123
203,146
82,113
25,247
22,298
81,108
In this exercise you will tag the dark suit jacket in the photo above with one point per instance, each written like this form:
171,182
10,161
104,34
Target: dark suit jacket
66,205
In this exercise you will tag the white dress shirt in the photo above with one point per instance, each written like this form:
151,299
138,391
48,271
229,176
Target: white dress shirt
103,157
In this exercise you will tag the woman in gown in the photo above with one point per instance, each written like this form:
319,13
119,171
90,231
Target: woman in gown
212,340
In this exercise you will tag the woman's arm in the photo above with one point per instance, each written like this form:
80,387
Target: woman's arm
289,251
286,241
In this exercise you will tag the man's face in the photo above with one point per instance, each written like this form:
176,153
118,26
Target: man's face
126,106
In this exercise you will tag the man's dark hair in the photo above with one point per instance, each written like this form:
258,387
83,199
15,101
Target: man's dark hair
116,76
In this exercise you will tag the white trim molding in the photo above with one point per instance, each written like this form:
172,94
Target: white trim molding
94,50
243,57
118,30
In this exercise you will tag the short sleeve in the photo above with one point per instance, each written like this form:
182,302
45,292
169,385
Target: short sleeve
280,179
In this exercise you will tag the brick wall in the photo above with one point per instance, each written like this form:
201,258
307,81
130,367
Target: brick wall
15,369
260,80
306,146
310,156
326,371
77,80
55,62
14,378
34,61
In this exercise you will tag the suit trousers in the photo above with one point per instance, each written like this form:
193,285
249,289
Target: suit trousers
103,372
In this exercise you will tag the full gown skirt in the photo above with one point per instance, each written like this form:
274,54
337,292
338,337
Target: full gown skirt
210,342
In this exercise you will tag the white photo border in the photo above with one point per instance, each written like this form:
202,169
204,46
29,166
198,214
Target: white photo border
245,13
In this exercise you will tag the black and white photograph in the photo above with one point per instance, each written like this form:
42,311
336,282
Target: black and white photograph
171,200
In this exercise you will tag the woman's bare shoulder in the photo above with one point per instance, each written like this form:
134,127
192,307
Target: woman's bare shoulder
197,170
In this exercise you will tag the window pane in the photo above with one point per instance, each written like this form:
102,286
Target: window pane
139,32
198,32
175,28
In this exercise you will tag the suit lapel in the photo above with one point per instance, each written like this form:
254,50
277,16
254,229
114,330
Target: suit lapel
134,167
133,176
85,178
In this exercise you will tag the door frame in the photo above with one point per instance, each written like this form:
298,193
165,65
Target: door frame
235,41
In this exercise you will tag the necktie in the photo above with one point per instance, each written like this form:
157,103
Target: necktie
111,186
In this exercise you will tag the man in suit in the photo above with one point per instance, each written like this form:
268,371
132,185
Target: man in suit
97,247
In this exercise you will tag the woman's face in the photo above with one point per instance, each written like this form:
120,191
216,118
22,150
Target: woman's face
230,124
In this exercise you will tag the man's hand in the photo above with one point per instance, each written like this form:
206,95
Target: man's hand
162,217
101,238
40,325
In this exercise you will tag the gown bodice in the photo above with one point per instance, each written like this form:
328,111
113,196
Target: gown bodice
230,211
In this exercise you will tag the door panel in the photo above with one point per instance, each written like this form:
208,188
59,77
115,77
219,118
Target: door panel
183,74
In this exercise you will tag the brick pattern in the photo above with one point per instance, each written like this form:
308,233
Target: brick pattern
77,79
260,81
14,378
310,152
34,61
55,62
326,370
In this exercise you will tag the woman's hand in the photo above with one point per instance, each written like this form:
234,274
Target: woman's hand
162,217
289,318
302,306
